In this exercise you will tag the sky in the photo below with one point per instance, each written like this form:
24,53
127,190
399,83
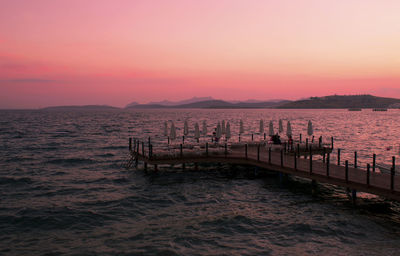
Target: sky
78,52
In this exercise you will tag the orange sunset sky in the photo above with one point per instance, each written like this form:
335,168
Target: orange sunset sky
80,52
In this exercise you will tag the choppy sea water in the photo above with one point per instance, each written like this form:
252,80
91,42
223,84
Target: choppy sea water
64,190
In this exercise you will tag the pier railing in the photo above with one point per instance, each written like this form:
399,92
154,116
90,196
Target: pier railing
296,159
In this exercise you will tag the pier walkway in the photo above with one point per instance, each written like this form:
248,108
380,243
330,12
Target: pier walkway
283,160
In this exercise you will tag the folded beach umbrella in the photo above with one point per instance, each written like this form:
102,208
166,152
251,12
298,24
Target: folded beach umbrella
241,128
228,131
310,130
196,131
172,134
223,128
165,128
289,129
280,126
271,128
204,130
219,131
186,128
261,126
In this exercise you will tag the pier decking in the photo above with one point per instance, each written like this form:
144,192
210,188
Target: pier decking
284,160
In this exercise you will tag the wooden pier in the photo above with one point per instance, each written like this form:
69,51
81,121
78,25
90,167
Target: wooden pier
285,159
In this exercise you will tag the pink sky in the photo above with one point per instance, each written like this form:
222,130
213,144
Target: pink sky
114,52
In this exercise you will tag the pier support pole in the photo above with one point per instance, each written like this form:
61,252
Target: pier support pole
258,152
373,162
143,149
392,171
206,148
252,137
355,159
354,196
281,157
130,144
306,143
332,142
298,150
324,154
300,139
265,135
314,187
245,150
328,156
338,156
368,174
346,171
295,161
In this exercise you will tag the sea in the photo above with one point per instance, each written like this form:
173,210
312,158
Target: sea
65,188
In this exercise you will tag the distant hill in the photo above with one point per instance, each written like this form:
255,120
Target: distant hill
85,107
341,101
169,103
214,104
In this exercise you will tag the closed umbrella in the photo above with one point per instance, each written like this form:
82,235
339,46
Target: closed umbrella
289,129
204,130
186,128
310,130
172,134
241,128
196,132
261,126
271,129
165,128
223,128
280,126
228,131
219,131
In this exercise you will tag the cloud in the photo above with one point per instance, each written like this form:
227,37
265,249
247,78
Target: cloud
26,80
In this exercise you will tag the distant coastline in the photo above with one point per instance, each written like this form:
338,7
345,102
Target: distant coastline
326,102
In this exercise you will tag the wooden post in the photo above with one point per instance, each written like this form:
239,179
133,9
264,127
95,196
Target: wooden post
143,148
137,144
206,148
368,174
310,160
338,156
226,150
320,142
183,139
298,150
130,144
306,143
245,150
252,137
355,159
392,171
295,161
258,152
346,164
324,153
265,135
168,140
300,138
239,137
181,149
149,141
373,162
332,142
269,155
281,157
150,151
328,156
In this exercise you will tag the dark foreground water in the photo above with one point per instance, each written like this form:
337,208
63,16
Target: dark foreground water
64,191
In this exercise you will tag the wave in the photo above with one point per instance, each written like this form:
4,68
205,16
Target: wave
71,161
15,181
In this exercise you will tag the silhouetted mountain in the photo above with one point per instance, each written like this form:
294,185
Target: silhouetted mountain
213,104
342,101
170,103
84,107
